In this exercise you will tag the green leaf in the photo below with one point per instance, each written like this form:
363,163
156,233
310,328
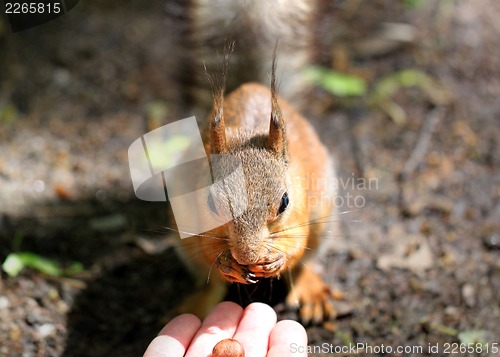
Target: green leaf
16,262
386,88
413,3
13,265
74,268
157,110
8,113
339,84
407,78
472,337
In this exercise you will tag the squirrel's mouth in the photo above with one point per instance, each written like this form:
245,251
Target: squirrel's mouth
234,272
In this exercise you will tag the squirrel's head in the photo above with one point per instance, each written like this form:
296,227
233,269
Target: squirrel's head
252,249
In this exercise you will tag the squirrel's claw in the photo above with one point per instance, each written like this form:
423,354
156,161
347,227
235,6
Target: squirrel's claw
234,272
268,269
251,278
312,297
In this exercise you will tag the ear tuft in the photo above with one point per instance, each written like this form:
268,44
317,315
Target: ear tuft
277,130
218,83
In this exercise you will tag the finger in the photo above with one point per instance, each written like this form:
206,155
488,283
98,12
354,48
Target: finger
174,338
288,339
255,326
220,324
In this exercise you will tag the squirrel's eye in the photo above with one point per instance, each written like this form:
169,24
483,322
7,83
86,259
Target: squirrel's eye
211,203
284,203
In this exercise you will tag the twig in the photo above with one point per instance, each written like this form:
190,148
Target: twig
424,138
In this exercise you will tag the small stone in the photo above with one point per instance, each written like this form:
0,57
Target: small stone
452,311
469,295
46,330
492,241
4,302
62,307
39,186
15,333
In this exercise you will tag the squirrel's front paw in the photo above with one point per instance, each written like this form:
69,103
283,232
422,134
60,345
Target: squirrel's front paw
312,297
270,267
234,272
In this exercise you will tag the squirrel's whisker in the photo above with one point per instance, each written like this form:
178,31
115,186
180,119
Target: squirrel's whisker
306,223
212,265
172,229
275,246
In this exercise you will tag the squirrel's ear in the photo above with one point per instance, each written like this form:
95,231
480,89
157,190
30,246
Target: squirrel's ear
217,125
277,130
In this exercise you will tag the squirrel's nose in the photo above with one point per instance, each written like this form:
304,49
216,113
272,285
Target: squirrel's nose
246,256
246,250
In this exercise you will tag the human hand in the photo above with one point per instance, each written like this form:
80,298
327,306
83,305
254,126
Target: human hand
255,328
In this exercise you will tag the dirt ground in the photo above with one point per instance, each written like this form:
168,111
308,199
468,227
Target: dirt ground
418,260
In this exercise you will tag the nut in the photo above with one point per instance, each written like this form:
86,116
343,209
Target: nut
228,348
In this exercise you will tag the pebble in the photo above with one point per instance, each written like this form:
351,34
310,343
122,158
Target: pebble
4,302
46,330
492,241
62,77
39,186
469,294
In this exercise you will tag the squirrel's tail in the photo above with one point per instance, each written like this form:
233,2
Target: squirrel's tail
203,27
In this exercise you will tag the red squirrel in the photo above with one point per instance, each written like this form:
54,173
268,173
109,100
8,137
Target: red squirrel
288,177
288,184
